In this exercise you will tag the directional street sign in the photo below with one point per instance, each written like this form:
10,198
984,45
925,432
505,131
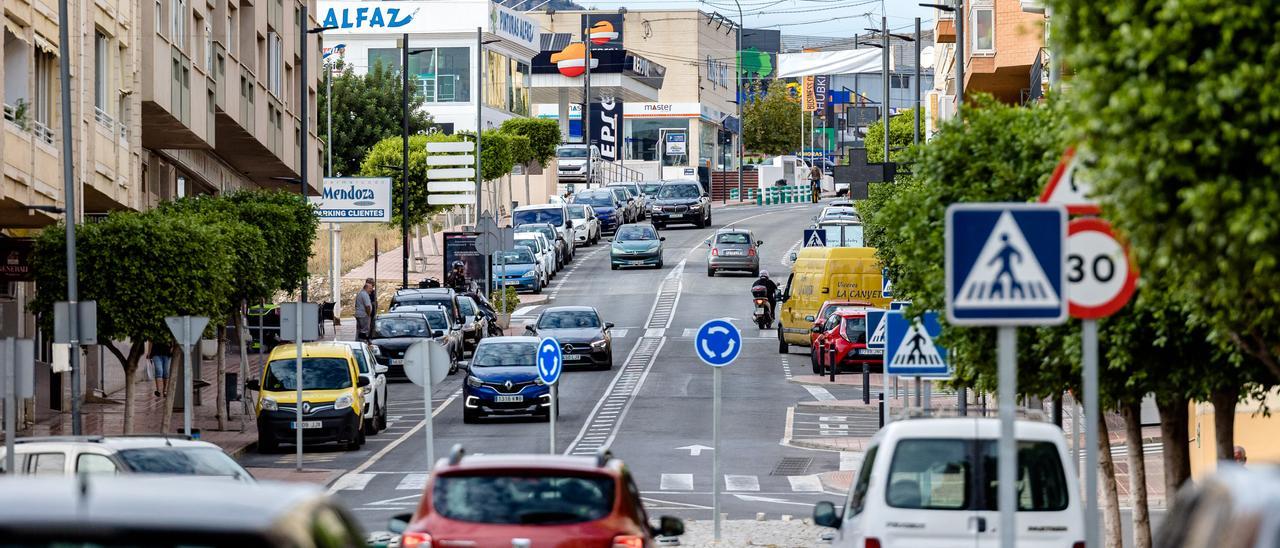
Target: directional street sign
1005,264
550,362
886,284
876,323
426,355
1067,187
1100,274
911,349
815,237
718,343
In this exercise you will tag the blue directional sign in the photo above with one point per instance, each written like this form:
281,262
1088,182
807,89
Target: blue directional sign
886,284
1005,264
718,343
876,325
550,362
911,350
899,305
815,237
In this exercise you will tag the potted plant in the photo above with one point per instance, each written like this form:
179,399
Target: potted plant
505,301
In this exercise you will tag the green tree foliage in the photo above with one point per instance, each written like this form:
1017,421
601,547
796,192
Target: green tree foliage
521,149
543,134
288,226
901,128
771,121
1178,101
366,109
384,159
496,154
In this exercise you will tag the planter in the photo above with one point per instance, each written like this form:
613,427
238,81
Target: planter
208,348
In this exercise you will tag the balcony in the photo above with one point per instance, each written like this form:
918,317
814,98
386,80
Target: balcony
173,108
945,30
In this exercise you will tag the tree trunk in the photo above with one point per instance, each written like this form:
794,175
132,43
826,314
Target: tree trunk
1174,435
172,386
1224,420
1110,503
219,383
130,365
1137,474
241,331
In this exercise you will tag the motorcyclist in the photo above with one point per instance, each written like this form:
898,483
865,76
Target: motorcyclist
773,291
457,278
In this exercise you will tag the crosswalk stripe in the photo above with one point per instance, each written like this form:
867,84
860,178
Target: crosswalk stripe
805,484
676,482
850,460
741,483
413,482
619,333
352,482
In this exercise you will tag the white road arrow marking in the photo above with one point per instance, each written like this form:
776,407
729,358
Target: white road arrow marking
695,450
754,498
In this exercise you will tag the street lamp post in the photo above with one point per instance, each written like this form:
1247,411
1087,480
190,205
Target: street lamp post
69,196
586,95
742,127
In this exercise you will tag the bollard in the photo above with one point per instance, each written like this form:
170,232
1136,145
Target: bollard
822,354
880,397
866,383
831,362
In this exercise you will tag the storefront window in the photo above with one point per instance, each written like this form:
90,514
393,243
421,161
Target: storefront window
644,136
440,75
497,72
707,133
519,88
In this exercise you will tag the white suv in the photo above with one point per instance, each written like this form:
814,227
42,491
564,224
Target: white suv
153,454
375,411
932,482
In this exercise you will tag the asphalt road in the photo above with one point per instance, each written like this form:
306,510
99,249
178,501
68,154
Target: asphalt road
653,409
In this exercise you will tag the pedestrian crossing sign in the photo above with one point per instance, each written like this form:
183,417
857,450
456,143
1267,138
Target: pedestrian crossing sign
875,324
910,348
886,284
1005,264
815,237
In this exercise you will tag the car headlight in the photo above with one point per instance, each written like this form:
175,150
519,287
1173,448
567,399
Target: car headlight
529,274
344,401
655,207
695,207
474,382
269,404
599,344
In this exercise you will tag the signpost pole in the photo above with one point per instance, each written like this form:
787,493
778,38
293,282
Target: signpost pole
715,444
9,353
428,426
1007,341
919,398
555,393
188,399
1089,340
297,381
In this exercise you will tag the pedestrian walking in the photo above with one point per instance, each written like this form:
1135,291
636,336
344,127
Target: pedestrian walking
364,311
161,355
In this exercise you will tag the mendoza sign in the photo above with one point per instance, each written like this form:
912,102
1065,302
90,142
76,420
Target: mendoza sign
354,200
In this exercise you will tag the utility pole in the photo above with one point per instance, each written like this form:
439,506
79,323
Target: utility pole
69,189
915,135
479,122
586,95
884,73
742,129
404,161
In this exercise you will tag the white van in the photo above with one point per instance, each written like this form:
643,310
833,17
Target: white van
557,215
932,482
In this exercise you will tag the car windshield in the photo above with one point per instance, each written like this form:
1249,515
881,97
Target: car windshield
733,238
571,152
401,326
361,364
839,213
636,232
547,231
528,243
631,191
855,329
844,235
937,474
553,215
576,319
517,256
317,374
504,354
577,212
650,188
621,193
424,300
193,461
595,199
523,500
679,191
468,308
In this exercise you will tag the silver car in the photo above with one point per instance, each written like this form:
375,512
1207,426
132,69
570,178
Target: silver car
733,249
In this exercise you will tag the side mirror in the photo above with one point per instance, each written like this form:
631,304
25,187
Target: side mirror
608,325
437,333
794,256
824,515
380,369
662,238
669,527
808,318
759,243
815,329
398,523
252,384
361,382
530,329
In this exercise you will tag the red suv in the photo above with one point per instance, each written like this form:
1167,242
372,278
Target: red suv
546,501
827,309
847,331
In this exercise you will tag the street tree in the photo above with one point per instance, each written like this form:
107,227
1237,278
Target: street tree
543,134
383,160
366,109
901,128
771,121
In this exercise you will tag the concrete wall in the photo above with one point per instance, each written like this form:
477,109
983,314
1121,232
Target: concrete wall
1255,432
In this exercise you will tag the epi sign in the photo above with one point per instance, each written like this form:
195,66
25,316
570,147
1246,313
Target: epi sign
1004,264
353,200
1100,274
718,343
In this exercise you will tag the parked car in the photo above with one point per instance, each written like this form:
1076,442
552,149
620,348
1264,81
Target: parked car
637,193
630,213
502,379
932,482
842,233
847,332
650,189
561,246
571,163
522,270
395,331
608,207
542,251
168,511
1233,508
586,226
545,500
555,215
584,339
838,213
680,201
443,296
828,309
474,324
375,402
111,455
487,309
733,249
332,399
636,245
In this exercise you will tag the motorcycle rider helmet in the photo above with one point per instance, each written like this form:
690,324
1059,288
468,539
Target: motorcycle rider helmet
764,273
458,264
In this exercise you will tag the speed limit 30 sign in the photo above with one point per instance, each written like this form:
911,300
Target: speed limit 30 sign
1100,275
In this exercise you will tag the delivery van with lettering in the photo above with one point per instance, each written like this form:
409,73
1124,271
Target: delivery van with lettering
822,274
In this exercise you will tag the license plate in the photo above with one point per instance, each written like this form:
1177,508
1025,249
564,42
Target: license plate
873,351
675,215
508,399
635,263
397,361
307,425
572,357
732,253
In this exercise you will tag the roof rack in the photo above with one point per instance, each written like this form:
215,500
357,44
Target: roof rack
603,456
35,439
455,454
973,412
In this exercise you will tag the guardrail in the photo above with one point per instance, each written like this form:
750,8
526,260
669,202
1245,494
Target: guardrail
605,172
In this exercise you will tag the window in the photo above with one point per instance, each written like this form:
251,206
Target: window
496,72
900,81
17,64
47,464
42,111
984,35
275,52
317,374
441,75
858,496
1042,486
178,21
89,463
208,48
930,474
524,500
102,76
519,88
643,136
231,30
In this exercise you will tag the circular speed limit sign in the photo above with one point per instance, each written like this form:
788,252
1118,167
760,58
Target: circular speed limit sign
1100,276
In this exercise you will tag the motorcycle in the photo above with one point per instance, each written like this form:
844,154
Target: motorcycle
763,315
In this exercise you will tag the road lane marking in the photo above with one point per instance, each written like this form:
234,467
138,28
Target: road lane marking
391,446
415,482
819,393
676,482
850,460
351,482
807,484
525,310
741,483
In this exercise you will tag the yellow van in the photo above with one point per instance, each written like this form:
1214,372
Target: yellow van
823,274
332,398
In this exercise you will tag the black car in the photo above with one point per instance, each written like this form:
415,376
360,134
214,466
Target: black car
681,201
443,296
395,331
583,338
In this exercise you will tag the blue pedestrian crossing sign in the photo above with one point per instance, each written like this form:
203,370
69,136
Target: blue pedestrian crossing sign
910,348
550,362
886,284
876,324
1005,264
815,237
718,343
899,305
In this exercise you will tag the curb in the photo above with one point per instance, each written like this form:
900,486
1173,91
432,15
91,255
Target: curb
807,443
830,483
243,450
825,382
833,405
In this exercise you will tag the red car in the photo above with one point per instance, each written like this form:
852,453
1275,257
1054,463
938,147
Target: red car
831,307
847,330
551,501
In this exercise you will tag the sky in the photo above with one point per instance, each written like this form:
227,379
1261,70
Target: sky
836,18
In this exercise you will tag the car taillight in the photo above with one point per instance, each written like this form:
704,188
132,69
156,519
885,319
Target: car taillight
751,252
871,542
715,252
415,540
1079,544
628,541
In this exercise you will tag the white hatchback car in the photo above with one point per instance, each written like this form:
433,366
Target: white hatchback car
544,251
586,226
375,411
111,455
932,482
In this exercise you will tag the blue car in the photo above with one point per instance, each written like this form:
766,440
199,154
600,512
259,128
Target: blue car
608,208
502,380
521,269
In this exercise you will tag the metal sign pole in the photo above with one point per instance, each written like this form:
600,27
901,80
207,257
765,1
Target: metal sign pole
1007,347
428,427
555,393
715,444
1089,339
10,354
297,381
188,399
